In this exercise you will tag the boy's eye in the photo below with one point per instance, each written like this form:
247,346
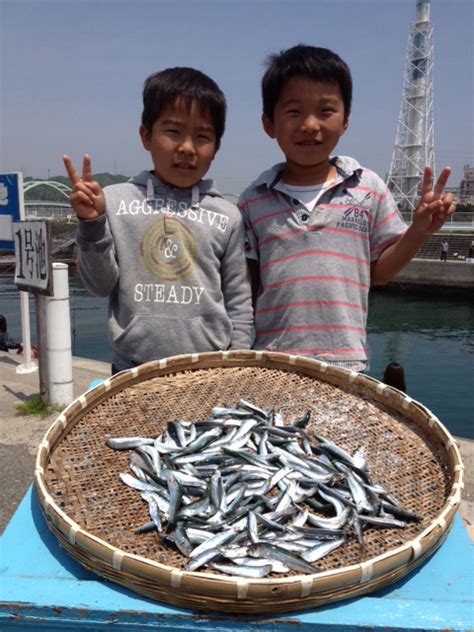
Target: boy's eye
293,112
171,130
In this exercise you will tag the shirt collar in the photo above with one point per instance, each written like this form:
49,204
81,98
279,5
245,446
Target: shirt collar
345,165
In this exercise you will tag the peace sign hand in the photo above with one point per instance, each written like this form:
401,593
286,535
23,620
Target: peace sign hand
87,198
435,206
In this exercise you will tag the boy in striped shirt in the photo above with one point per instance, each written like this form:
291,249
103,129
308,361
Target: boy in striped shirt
320,228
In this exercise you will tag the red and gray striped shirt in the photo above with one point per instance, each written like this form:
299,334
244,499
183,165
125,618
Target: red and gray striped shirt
315,267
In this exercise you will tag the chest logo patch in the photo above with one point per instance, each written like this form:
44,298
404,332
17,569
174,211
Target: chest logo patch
355,218
168,249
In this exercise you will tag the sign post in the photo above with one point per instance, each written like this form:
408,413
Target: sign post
36,273
33,274
12,209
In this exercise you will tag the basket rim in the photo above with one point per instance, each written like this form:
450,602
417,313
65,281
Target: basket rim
120,560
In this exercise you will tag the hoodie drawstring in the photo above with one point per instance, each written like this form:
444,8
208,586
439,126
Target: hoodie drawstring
195,197
150,190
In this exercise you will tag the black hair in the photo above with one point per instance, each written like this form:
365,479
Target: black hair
3,324
163,88
311,62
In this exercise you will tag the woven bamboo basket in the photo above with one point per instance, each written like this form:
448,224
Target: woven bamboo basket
94,516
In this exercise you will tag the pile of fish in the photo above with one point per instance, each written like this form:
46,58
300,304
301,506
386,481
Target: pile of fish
246,495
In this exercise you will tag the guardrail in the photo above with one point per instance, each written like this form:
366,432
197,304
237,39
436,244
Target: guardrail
66,213
51,212
460,217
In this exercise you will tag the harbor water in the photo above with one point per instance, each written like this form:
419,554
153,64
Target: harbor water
429,332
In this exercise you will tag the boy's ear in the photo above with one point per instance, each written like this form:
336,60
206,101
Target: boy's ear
345,125
145,136
268,125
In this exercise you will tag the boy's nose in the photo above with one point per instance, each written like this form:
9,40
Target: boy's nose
186,147
310,123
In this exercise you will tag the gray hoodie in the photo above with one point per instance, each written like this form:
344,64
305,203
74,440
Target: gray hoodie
172,263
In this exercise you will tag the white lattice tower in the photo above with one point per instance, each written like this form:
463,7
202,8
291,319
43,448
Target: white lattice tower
414,142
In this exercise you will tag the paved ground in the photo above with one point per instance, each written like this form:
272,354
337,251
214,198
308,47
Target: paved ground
20,435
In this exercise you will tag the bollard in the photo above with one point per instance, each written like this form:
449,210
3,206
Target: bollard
395,376
58,339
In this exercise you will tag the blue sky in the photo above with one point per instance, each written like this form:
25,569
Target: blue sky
71,76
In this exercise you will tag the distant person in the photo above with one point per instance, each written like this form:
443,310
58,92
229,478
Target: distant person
444,250
321,228
6,343
166,247
471,250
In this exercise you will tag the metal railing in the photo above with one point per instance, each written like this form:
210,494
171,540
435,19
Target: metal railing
460,217
64,212
50,211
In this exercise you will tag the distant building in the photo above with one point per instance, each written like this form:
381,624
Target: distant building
454,191
466,187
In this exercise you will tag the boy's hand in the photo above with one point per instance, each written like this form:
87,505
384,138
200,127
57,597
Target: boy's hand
87,198
435,206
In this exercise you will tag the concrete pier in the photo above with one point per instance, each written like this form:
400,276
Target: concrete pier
20,435
453,274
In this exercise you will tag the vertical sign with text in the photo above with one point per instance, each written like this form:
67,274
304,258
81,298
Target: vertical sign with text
32,256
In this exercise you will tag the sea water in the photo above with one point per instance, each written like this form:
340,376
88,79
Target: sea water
430,332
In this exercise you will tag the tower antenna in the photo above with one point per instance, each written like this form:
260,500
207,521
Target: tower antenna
414,142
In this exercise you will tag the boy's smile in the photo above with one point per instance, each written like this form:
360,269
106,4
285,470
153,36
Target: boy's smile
308,120
182,144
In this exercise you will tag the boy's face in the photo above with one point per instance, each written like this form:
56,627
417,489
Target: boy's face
182,144
308,121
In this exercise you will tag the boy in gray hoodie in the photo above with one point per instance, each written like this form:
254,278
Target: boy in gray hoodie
166,247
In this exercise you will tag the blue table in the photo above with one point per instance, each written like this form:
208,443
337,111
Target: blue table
42,588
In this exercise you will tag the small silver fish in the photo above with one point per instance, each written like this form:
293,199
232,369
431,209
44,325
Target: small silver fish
271,551
127,443
255,572
242,487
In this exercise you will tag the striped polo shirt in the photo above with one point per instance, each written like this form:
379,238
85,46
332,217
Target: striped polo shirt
315,266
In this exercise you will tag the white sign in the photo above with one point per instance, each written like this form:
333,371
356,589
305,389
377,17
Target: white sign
32,256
